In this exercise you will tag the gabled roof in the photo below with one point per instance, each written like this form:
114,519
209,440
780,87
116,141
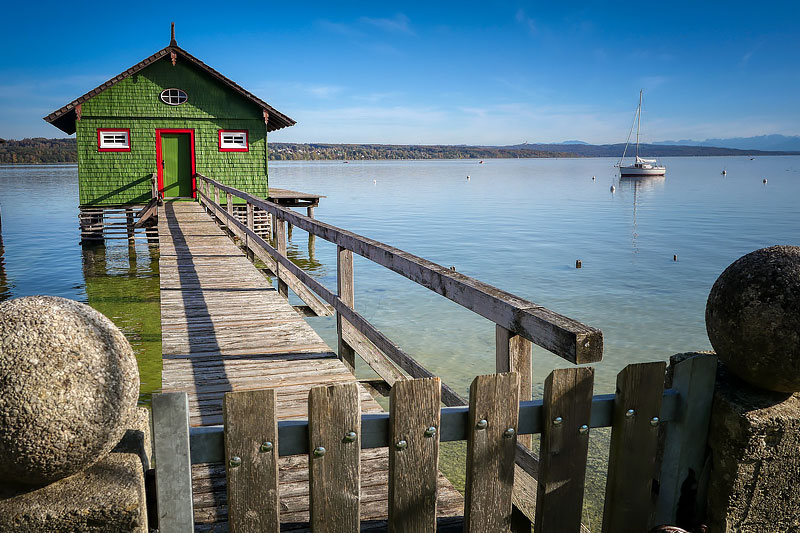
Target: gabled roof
64,118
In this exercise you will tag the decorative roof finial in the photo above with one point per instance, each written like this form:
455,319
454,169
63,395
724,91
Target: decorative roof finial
172,41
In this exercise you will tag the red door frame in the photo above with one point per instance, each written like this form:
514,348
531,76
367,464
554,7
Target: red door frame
160,168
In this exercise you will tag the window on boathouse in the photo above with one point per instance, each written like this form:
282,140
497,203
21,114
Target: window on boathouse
233,141
173,96
114,140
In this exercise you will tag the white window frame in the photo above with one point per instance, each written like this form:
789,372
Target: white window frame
166,97
114,140
233,141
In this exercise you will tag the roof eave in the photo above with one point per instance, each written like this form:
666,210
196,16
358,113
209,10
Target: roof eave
65,117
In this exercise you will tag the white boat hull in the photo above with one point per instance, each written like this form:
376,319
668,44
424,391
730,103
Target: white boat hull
638,171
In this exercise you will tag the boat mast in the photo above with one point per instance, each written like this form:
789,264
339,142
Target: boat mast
628,140
638,122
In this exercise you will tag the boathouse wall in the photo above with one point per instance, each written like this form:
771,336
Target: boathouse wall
123,177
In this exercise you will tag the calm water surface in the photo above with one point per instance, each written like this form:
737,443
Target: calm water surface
517,224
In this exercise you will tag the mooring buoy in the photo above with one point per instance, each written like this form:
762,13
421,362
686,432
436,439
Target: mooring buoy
613,188
764,181
578,264
675,257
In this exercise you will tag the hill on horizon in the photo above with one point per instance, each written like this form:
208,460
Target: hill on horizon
773,142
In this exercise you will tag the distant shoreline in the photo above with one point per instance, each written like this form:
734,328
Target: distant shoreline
40,151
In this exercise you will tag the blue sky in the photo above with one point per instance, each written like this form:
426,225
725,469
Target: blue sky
454,73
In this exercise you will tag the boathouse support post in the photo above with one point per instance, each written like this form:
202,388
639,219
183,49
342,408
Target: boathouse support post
344,275
311,236
280,237
129,224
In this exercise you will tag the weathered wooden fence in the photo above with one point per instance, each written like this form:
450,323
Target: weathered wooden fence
641,490
519,323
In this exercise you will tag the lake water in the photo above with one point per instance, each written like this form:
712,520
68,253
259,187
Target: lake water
516,224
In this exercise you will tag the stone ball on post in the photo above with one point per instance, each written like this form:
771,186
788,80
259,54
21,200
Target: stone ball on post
753,318
68,384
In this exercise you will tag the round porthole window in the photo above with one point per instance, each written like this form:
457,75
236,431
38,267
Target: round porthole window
173,96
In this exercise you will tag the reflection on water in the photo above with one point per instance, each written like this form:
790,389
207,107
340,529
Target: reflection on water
640,185
122,283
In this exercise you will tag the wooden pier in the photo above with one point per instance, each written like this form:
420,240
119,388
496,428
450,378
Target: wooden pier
225,328
271,406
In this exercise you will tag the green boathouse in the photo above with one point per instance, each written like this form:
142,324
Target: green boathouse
158,124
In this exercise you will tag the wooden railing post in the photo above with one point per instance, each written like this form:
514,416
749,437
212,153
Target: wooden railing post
280,237
216,195
250,225
513,354
344,276
229,203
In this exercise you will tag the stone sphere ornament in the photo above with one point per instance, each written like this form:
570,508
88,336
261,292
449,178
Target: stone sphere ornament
68,385
753,318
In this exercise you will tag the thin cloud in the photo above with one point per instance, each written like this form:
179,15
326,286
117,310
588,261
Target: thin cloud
526,21
322,91
337,28
397,24
378,97
746,57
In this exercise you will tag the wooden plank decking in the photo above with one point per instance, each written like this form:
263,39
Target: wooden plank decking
224,327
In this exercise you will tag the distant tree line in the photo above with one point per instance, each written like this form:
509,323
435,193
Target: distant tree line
306,151
39,150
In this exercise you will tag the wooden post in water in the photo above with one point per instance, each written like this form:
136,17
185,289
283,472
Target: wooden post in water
280,237
311,236
129,224
344,275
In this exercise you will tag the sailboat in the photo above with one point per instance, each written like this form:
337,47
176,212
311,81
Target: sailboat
641,166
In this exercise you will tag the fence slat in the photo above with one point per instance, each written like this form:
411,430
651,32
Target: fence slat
251,460
173,462
629,504
491,448
565,443
687,436
414,422
334,459
345,290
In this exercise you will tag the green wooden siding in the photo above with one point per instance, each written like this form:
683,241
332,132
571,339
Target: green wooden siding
112,178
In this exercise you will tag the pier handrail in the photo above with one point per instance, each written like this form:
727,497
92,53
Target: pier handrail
568,338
